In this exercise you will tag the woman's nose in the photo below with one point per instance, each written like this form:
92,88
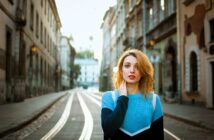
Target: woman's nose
132,69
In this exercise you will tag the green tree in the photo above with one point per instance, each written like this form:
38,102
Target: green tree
76,71
85,54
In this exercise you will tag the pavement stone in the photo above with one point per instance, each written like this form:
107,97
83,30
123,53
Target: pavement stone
15,115
194,115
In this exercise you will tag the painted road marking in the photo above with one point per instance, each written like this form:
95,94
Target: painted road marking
96,96
94,100
171,134
59,125
88,125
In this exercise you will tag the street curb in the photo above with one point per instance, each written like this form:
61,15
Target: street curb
188,121
23,124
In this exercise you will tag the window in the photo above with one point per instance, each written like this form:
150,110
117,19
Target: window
24,7
131,4
22,53
37,68
41,71
31,16
48,13
193,72
41,32
150,18
45,7
8,46
212,30
140,29
162,4
211,49
37,25
11,2
113,30
162,9
41,3
171,7
45,38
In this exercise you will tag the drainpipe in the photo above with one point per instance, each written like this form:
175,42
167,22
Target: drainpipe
180,50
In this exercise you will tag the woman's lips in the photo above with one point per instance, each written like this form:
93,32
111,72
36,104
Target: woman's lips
132,77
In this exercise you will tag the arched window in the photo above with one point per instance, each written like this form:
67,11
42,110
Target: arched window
193,72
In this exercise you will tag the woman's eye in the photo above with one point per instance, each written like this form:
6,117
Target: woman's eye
126,66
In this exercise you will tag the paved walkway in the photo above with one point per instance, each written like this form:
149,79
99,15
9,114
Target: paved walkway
13,116
195,115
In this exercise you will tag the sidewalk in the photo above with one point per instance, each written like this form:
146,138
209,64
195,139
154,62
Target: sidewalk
15,115
194,115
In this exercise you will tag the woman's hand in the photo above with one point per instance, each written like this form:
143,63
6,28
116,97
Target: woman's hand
122,89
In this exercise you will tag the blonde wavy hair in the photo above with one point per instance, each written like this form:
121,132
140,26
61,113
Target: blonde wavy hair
145,68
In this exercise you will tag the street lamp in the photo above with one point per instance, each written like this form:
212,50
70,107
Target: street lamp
33,49
152,42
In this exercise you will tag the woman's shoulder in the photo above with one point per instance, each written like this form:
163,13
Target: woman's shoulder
153,96
152,93
107,100
107,94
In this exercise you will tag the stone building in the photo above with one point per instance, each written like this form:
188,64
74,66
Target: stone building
109,49
30,33
89,72
160,42
196,56
67,55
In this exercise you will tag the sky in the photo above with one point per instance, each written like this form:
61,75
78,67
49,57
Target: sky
82,19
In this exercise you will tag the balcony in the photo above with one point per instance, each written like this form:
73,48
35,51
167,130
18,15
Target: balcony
20,17
187,2
129,42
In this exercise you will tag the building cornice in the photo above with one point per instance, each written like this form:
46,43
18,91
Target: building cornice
12,17
55,11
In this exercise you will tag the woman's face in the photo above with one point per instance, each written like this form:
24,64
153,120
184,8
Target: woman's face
130,71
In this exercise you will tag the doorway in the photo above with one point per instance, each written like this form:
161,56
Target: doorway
8,47
172,70
212,71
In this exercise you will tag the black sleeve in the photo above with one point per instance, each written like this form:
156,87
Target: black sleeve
112,120
157,129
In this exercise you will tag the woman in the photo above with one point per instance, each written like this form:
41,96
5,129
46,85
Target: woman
132,111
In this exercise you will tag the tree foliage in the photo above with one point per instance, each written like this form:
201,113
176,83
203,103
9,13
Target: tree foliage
85,54
76,70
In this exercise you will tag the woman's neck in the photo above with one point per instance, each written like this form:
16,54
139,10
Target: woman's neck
132,88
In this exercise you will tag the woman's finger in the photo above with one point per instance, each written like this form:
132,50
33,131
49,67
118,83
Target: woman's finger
122,89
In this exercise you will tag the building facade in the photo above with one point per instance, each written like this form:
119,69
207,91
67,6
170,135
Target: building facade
30,39
160,42
110,50
67,54
89,72
196,43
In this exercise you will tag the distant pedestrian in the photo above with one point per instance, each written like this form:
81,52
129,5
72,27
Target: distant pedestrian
132,110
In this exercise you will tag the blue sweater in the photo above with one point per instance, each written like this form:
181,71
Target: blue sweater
131,117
